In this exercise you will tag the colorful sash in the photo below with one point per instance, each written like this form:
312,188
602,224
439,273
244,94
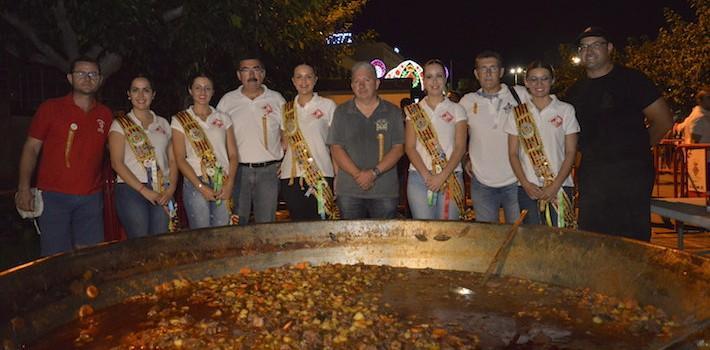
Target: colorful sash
427,136
312,174
145,154
529,137
212,171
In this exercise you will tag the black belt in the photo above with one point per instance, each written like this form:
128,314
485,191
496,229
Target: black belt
259,165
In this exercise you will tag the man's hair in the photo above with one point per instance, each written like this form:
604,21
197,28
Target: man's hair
87,59
489,54
540,64
363,65
250,56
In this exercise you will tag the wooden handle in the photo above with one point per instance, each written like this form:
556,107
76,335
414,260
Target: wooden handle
508,239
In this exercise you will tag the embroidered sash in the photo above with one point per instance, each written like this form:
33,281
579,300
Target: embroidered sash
312,174
211,170
529,137
427,136
145,154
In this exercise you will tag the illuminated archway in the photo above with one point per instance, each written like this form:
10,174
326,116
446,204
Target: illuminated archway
407,69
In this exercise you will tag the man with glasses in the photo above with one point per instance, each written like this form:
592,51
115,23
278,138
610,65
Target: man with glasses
70,132
493,183
256,115
614,105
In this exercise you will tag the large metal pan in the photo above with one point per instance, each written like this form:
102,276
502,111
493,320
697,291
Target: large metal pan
41,295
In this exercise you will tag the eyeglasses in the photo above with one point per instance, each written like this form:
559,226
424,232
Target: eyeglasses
91,75
494,69
540,79
595,45
257,69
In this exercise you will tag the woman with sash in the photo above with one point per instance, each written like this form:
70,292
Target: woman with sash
307,169
542,144
206,155
435,142
142,156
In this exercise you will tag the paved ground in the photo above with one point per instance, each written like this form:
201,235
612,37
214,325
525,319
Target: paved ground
19,243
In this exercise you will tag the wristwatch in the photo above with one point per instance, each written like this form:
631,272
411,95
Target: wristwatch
377,172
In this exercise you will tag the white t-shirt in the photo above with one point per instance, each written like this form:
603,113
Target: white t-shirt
215,127
444,119
488,143
247,115
314,121
159,134
554,122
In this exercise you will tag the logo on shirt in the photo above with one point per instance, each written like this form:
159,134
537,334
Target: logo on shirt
317,114
447,117
218,123
556,121
508,107
381,125
100,126
267,109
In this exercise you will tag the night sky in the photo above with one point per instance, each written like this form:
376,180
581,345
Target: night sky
456,30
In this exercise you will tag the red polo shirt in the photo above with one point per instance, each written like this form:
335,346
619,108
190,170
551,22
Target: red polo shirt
51,125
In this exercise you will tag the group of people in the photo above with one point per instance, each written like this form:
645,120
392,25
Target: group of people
333,162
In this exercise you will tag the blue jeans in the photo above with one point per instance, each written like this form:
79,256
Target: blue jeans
201,212
260,187
417,198
139,217
487,201
364,208
534,216
70,221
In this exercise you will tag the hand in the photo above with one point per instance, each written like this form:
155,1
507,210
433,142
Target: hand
467,166
226,192
435,182
166,196
365,179
207,192
150,195
549,192
24,200
532,190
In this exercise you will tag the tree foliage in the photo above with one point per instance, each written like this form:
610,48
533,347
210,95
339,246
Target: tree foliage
678,60
171,39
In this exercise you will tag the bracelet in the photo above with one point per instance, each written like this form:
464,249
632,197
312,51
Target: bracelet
376,171
200,185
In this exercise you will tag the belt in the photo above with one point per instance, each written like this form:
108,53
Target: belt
259,165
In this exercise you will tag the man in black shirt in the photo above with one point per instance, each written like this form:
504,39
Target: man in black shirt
614,105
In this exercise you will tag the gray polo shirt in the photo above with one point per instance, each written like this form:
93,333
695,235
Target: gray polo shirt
358,136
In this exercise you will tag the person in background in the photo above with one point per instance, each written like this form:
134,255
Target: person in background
207,157
542,146
696,126
307,170
440,123
142,157
71,134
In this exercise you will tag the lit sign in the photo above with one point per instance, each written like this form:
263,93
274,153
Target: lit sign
380,67
339,38
407,69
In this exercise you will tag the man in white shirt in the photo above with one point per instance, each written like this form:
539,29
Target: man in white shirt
696,127
493,183
255,112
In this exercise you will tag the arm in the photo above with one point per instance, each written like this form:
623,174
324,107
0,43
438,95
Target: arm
167,195
456,155
186,169
233,155
346,164
530,188
660,119
550,191
116,147
410,147
28,162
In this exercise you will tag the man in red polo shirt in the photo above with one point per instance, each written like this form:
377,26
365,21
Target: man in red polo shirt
71,132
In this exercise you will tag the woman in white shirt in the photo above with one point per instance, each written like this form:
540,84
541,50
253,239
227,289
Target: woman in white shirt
428,198
142,156
557,128
206,155
314,115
